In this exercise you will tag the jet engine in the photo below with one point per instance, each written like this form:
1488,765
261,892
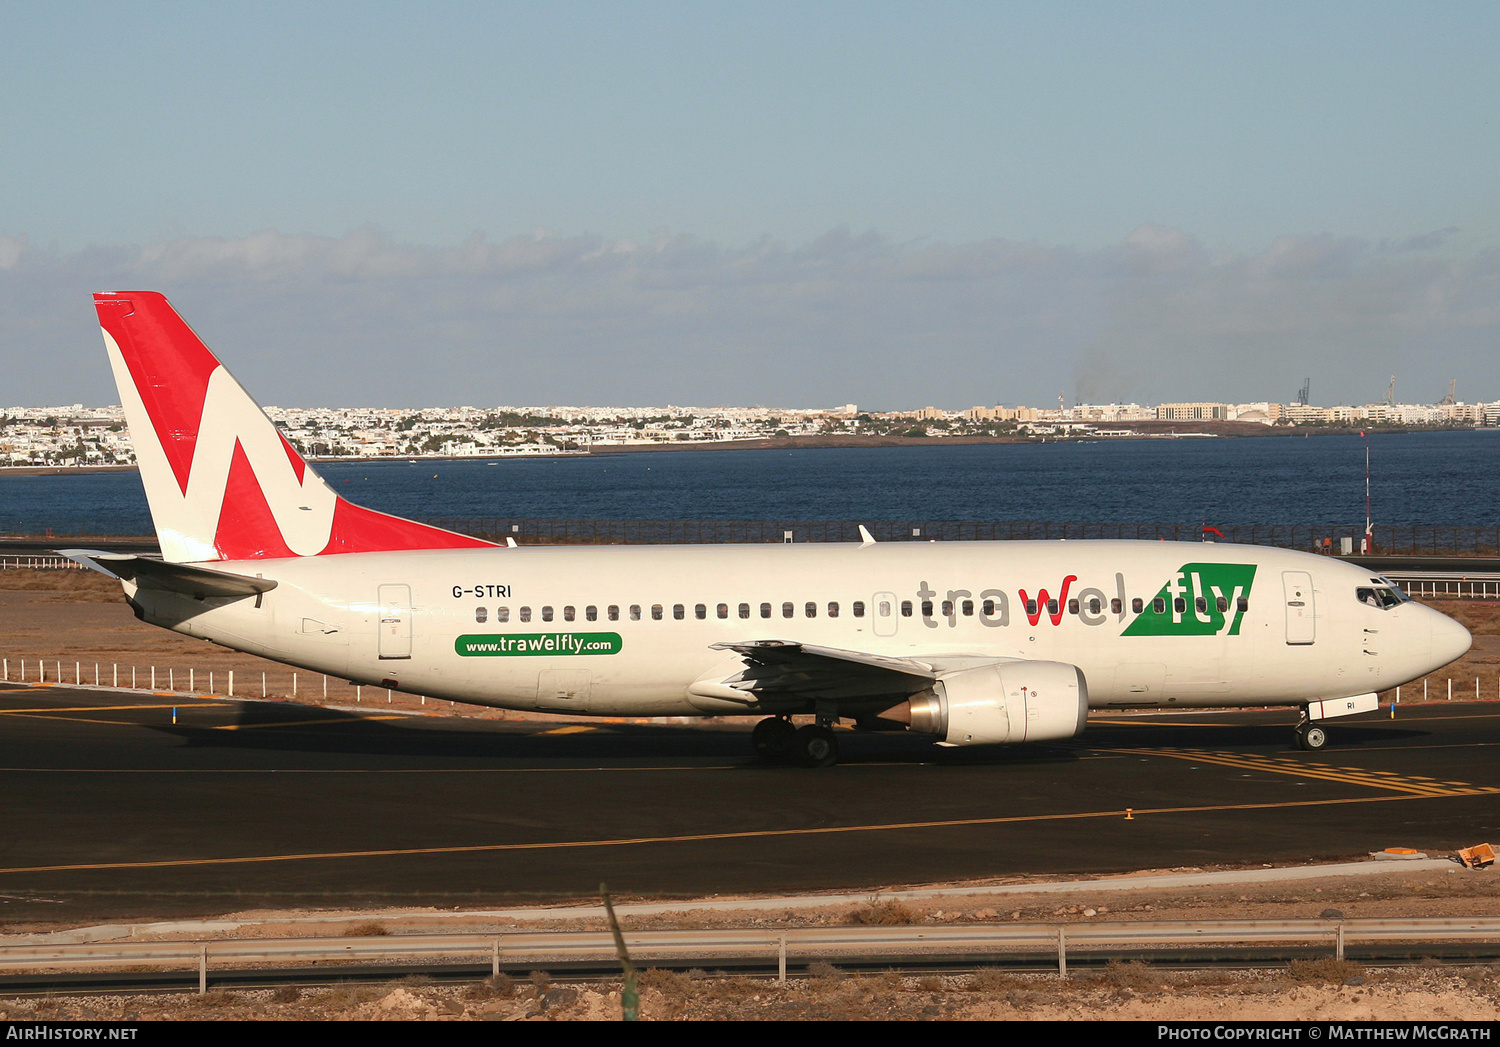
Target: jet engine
1020,701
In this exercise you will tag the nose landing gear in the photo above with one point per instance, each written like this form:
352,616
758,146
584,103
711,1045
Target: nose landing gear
1309,735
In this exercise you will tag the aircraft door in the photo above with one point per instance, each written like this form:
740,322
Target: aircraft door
395,621
1301,620
883,614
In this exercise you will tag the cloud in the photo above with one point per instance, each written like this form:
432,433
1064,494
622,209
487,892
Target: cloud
1426,242
849,316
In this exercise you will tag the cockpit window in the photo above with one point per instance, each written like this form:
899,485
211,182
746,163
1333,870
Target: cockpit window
1377,596
1393,587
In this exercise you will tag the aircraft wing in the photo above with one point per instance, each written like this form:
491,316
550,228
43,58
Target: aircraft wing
784,667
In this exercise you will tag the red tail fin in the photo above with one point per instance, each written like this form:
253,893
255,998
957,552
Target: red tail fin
222,482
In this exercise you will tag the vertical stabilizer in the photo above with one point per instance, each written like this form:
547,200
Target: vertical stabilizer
222,482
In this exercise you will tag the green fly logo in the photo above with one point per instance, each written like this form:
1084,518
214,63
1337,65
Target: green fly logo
1202,599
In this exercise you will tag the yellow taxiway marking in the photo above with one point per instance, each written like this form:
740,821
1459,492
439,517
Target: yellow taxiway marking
636,841
300,723
1348,775
575,729
283,772
1145,722
84,719
111,708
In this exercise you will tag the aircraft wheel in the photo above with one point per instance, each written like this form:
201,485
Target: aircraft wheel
772,738
815,746
1311,737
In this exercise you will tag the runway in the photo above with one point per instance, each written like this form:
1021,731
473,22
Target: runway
115,812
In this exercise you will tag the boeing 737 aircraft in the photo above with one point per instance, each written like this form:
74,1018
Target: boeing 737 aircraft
969,642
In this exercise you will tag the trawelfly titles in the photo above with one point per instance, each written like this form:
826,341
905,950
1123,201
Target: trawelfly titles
1332,1032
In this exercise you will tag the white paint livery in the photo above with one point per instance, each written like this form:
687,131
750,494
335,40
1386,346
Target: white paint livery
187,521
970,642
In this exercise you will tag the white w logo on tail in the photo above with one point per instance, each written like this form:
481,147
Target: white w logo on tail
199,524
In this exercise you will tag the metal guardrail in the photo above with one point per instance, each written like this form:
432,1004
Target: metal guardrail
885,944
1425,540
1422,540
1448,587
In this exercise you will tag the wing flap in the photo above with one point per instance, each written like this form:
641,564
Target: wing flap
783,667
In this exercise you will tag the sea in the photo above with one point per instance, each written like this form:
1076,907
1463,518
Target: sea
1427,478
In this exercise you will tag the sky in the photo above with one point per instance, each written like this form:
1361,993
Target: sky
795,204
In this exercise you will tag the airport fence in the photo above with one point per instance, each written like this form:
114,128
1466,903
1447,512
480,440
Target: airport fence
198,682
39,563
1332,539
1326,538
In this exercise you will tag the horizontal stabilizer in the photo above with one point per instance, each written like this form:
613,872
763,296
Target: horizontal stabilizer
169,577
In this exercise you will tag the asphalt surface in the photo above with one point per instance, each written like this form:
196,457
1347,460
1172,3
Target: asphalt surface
113,812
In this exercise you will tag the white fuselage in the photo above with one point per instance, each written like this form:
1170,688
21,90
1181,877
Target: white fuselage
1148,623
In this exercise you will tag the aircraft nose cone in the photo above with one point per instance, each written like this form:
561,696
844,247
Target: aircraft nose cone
1450,641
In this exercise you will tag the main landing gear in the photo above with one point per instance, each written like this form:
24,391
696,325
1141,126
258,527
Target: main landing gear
1309,735
779,740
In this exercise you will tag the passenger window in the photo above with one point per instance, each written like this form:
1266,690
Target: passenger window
1159,605
525,614
811,610
1072,606
988,608
1116,606
788,610
1201,603
744,610
885,608
591,613
1179,605
968,608
859,608
613,614
1137,606
765,610
700,612
480,614
656,612
947,608
1222,603
1094,605
723,610
546,614
568,613
905,608
635,612
833,610
1031,607
926,608
1051,606
502,614
679,612
1243,603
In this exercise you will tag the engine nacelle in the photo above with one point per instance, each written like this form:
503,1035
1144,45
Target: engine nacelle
1020,701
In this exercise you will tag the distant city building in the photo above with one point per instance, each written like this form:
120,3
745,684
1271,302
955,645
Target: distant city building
1193,412
79,435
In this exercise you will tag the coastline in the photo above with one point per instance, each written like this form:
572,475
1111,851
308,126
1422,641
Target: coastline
1139,430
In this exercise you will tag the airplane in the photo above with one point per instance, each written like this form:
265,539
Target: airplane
969,643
